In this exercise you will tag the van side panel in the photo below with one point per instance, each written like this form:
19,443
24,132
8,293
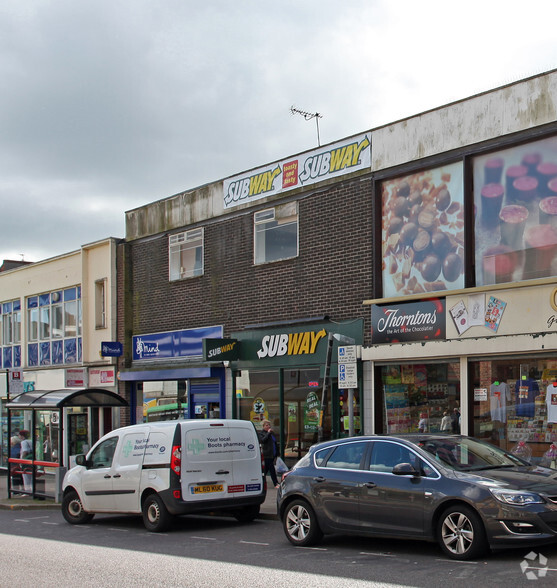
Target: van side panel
220,462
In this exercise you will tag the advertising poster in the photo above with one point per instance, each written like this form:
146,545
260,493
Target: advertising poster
423,231
494,312
515,203
311,413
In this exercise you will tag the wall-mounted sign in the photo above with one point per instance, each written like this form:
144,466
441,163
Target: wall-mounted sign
331,161
111,349
293,345
408,321
221,349
76,378
102,377
15,382
173,344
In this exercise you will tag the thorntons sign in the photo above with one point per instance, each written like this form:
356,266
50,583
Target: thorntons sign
408,321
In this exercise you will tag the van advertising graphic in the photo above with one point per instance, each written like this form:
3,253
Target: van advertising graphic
205,444
331,161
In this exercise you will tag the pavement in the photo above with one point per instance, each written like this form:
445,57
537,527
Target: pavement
22,502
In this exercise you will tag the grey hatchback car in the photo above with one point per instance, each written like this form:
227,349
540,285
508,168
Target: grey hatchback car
463,493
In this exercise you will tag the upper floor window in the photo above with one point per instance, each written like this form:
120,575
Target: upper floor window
100,304
185,254
10,320
276,233
54,315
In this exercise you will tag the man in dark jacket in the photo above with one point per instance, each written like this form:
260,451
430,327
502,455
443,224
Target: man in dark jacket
269,447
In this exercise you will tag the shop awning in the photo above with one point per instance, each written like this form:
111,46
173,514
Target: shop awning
53,399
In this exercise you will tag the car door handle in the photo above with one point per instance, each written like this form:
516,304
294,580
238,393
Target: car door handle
107,476
117,476
370,484
220,472
319,479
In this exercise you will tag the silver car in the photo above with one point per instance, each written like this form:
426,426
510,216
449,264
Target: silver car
463,493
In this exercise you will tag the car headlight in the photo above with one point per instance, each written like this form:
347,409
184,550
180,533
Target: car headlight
516,497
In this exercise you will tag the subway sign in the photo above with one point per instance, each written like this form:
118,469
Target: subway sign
293,345
221,349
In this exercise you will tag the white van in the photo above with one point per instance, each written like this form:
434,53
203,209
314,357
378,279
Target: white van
168,468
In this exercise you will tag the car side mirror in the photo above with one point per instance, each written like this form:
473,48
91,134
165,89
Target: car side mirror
405,469
80,460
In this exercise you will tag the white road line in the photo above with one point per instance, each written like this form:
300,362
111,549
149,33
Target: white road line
204,538
117,529
453,561
49,523
378,554
254,543
313,548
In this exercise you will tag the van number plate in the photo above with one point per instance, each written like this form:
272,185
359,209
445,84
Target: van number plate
207,489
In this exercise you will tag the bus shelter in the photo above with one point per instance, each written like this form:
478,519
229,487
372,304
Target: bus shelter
44,419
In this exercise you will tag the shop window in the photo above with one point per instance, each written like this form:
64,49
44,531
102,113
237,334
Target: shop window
417,397
515,405
185,254
276,233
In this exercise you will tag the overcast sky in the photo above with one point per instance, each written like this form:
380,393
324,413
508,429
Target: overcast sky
107,105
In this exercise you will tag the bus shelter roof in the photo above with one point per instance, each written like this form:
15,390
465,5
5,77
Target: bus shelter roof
55,399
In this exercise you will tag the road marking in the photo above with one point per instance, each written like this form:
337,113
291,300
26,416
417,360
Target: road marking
254,543
22,520
313,548
474,563
377,554
49,523
204,538
117,529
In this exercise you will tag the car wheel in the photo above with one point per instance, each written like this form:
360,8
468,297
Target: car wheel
72,509
300,524
461,533
156,517
247,514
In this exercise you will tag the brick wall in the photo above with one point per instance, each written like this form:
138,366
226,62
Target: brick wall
331,276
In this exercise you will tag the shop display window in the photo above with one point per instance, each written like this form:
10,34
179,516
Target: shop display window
258,394
421,398
515,404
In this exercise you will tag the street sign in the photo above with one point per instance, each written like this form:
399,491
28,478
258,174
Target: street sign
347,354
347,375
15,382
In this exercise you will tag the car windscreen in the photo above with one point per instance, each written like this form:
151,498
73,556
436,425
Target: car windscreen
468,454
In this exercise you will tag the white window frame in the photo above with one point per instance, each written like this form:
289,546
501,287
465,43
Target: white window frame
181,246
273,219
100,304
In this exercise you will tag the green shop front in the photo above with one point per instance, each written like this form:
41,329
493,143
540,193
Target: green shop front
289,375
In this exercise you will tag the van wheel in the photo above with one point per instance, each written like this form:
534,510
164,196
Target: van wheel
156,517
247,514
300,524
72,509
461,533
